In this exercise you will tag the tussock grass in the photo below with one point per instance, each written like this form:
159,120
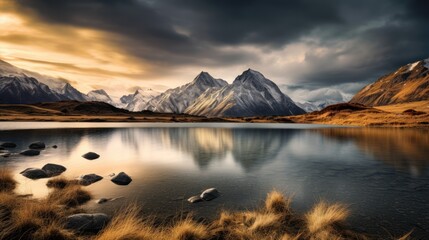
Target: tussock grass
61,182
129,225
7,182
276,202
189,230
324,216
27,218
70,196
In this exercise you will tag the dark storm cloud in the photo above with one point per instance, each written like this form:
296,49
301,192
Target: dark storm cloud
361,39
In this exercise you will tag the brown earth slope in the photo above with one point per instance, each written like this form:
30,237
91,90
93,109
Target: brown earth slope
75,111
409,83
414,114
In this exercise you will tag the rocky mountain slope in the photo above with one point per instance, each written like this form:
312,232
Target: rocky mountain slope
409,83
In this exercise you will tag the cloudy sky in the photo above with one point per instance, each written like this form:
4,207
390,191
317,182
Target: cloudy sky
314,47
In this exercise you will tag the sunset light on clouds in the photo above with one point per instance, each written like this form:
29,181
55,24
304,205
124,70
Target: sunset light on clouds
121,45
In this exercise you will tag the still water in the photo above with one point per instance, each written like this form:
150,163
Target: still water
382,174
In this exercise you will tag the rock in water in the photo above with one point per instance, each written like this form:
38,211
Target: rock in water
89,179
210,194
37,145
91,155
34,173
121,179
102,200
85,222
8,145
53,169
30,152
54,146
195,199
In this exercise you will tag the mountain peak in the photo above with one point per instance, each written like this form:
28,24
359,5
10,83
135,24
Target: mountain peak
99,91
250,76
203,77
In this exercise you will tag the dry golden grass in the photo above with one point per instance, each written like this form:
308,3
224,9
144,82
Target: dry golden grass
71,196
391,116
128,225
61,182
422,106
189,230
7,183
276,202
322,219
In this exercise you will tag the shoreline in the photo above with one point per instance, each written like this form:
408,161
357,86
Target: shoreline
408,115
49,218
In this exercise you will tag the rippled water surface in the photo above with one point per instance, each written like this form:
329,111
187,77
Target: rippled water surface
381,173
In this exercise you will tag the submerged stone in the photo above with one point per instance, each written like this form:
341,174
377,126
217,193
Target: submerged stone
103,200
30,152
53,169
8,145
91,155
37,145
210,194
34,173
195,199
121,179
85,222
89,179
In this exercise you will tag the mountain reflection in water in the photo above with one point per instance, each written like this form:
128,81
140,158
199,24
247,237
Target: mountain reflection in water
381,173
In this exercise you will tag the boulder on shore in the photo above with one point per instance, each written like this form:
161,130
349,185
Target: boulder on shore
53,169
121,179
91,155
89,179
30,152
34,173
85,222
37,145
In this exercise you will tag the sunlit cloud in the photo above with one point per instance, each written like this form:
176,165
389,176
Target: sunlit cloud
123,45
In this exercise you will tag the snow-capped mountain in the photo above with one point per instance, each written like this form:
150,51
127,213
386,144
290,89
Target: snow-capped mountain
138,101
251,94
34,87
68,92
311,106
99,96
176,100
14,89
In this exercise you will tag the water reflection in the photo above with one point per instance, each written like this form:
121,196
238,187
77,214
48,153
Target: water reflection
404,149
356,166
249,148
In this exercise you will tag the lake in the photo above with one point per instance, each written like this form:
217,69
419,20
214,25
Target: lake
382,174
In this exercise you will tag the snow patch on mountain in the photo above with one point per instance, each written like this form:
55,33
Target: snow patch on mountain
99,96
411,66
138,101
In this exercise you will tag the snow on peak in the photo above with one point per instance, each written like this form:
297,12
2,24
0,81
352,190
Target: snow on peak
99,95
426,63
413,65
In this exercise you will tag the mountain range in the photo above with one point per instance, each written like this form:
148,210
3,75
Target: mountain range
251,94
